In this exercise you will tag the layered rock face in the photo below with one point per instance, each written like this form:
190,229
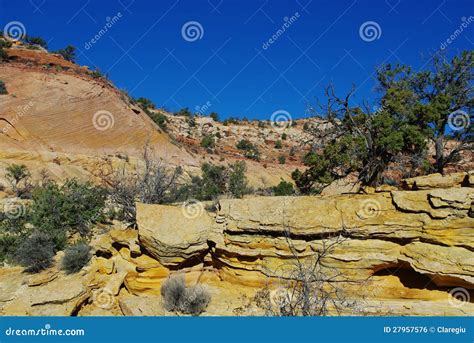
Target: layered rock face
407,252
408,248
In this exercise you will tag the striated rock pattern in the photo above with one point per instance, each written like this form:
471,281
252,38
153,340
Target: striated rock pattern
403,253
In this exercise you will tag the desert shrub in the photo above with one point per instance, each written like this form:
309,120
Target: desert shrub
178,298
36,252
4,44
18,176
159,119
208,142
284,136
261,124
3,55
237,183
8,246
72,207
97,74
3,88
68,53
283,188
306,126
231,120
196,300
215,181
281,159
37,41
75,257
145,103
249,149
184,112
214,116
155,183
278,144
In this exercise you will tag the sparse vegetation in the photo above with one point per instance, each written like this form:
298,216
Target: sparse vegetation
416,108
19,176
184,112
284,136
282,159
67,209
278,144
36,252
283,188
3,88
36,41
179,298
250,150
308,286
214,116
147,105
68,53
208,142
75,257
153,184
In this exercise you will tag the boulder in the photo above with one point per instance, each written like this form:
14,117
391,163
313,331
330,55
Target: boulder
174,234
436,181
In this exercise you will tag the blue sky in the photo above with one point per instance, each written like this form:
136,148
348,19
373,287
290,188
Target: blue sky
227,68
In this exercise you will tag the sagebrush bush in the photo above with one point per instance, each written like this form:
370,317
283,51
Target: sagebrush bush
179,298
36,252
75,257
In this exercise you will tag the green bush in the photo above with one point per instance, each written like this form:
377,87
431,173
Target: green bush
8,246
237,183
3,55
18,176
68,53
215,181
36,252
249,149
184,112
37,41
72,207
145,103
214,116
278,144
3,88
283,188
178,298
284,136
281,159
75,257
208,142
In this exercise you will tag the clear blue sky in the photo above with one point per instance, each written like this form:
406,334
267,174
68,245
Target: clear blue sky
145,53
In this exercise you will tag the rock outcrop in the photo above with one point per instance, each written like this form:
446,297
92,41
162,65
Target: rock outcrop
400,252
